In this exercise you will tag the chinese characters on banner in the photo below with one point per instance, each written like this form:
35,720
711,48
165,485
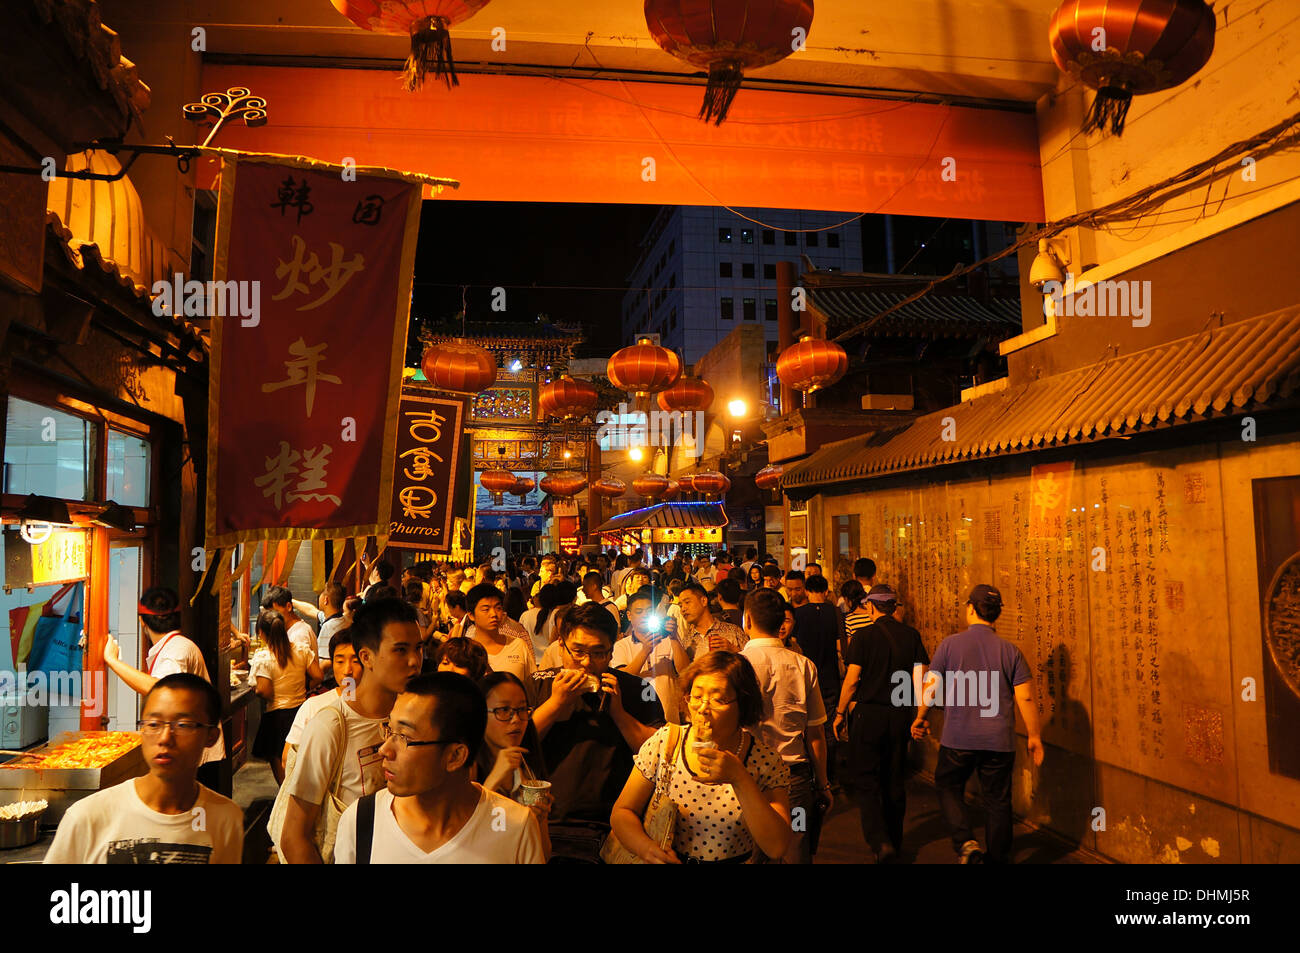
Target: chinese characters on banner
303,395
424,483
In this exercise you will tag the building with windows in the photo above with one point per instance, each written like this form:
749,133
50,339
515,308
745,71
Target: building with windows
703,270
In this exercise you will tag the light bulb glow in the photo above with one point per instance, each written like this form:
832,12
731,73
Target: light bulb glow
737,408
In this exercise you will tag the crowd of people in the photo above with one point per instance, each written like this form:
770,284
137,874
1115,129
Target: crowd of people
567,709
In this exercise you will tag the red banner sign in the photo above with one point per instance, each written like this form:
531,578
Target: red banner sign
313,277
424,483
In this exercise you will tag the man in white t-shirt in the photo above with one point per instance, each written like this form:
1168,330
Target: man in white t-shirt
387,642
347,676
509,648
593,590
280,599
169,653
328,614
431,812
166,816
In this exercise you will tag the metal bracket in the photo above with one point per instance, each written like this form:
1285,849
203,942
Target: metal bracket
235,103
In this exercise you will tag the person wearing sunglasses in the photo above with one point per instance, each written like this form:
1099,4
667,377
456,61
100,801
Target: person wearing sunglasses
591,719
431,811
165,816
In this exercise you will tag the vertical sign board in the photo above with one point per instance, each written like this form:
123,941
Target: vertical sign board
312,293
429,441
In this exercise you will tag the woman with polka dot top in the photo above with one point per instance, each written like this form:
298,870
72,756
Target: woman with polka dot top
731,791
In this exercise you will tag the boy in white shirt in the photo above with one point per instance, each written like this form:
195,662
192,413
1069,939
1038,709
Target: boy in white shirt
431,812
387,643
166,816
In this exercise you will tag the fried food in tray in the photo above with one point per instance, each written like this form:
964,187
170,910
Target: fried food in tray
93,751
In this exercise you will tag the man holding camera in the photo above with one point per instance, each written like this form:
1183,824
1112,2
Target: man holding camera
592,719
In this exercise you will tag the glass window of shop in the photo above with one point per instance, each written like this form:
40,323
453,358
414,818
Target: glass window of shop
49,452
128,469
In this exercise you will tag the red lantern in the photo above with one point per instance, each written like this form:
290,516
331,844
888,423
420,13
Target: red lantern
673,490
688,394
710,483
644,368
523,486
459,366
427,22
498,483
566,398
811,364
650,485
563,484
609,487
1146,46
686,482
769,478
727,37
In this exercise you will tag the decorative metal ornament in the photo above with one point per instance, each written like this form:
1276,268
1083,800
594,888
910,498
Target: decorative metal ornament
237,102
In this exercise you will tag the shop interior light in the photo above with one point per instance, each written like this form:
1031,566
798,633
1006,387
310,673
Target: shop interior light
737,408
115,516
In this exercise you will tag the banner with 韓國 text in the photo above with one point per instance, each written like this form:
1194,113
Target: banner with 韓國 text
316,263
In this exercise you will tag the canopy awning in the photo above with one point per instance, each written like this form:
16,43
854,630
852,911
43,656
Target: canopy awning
1212,374
668,516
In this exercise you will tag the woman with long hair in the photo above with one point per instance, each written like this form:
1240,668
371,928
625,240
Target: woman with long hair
730,790
754,579
282,672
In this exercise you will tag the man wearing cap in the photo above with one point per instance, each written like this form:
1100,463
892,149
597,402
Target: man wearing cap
881,657
975,675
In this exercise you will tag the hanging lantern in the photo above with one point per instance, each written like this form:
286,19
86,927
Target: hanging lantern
644,368
563,484
427,22
566,398
650,485
811,364
673,490
498,483
710,483
688,394
609,487
727,37
686,483
523,486
769,478
1145,46
459,366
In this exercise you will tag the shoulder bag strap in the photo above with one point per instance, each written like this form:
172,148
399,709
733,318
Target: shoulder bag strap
365,827
667,758
337,777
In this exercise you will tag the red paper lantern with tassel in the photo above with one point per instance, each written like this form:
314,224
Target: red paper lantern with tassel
523,486
459,366
498,483
769,478
650,485
644,368
688,394
566,398
609,487
811,364
727,37
1145,46
711,483
563,484
427,22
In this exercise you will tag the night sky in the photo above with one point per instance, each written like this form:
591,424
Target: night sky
550,258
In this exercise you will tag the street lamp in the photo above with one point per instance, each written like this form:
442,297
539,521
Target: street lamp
635,454
737,408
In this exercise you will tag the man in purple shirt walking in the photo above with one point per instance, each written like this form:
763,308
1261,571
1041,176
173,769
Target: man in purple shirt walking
974,676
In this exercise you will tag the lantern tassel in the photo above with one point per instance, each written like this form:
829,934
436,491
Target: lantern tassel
430,53
724,83
1109,108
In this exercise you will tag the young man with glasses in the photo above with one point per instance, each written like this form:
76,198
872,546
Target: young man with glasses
166,816
589,737
431,812
347,736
